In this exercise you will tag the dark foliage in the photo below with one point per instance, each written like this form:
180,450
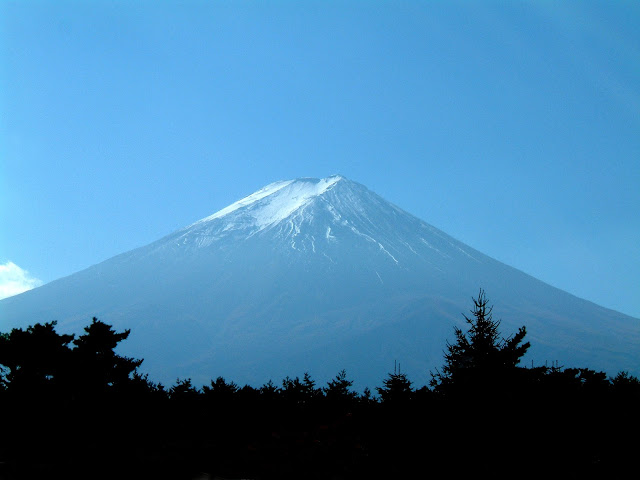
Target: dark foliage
480,362
338,390
396,389
97,368
36,360
74,408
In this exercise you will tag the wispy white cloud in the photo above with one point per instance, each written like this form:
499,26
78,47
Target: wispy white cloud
15,280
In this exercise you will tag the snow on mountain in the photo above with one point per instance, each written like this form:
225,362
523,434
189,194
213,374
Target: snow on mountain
316,275
277,201
308,212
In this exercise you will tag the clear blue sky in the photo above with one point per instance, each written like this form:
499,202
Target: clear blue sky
512,126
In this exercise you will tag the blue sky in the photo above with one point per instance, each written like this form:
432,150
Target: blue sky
512,126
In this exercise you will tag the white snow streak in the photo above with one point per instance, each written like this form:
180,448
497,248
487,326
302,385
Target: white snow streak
328,234
387,252
275,202
254,197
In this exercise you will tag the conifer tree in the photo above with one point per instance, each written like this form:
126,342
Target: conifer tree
269,390
34,359
220,388
183,391
98,366
298,392
396,388
479,357
339,389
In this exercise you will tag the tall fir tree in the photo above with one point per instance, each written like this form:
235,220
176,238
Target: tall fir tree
480,359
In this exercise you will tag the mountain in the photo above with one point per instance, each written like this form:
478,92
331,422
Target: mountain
316,275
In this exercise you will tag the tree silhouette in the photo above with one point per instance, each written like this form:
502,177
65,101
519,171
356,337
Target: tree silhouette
35,359
309,389
98,366
269,391
298,392
626,384
220,390
479,358
183,390
396,388
65,394
338,390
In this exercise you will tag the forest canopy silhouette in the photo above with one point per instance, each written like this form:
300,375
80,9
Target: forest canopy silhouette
74,407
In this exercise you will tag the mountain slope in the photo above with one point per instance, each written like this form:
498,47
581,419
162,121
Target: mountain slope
316,275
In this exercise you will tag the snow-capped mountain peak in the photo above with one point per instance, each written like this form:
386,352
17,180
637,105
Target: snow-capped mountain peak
276,201
320,274
316,215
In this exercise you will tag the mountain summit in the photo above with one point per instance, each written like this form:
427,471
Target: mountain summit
319,217
316,275
273,203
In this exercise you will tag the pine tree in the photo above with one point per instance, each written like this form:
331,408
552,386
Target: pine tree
396,388
479,358
339,389
99,367
183,391
221,392
34,360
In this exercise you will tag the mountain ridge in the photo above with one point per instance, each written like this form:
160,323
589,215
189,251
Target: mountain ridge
320,275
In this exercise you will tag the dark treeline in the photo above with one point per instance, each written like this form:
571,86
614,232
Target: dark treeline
72,407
